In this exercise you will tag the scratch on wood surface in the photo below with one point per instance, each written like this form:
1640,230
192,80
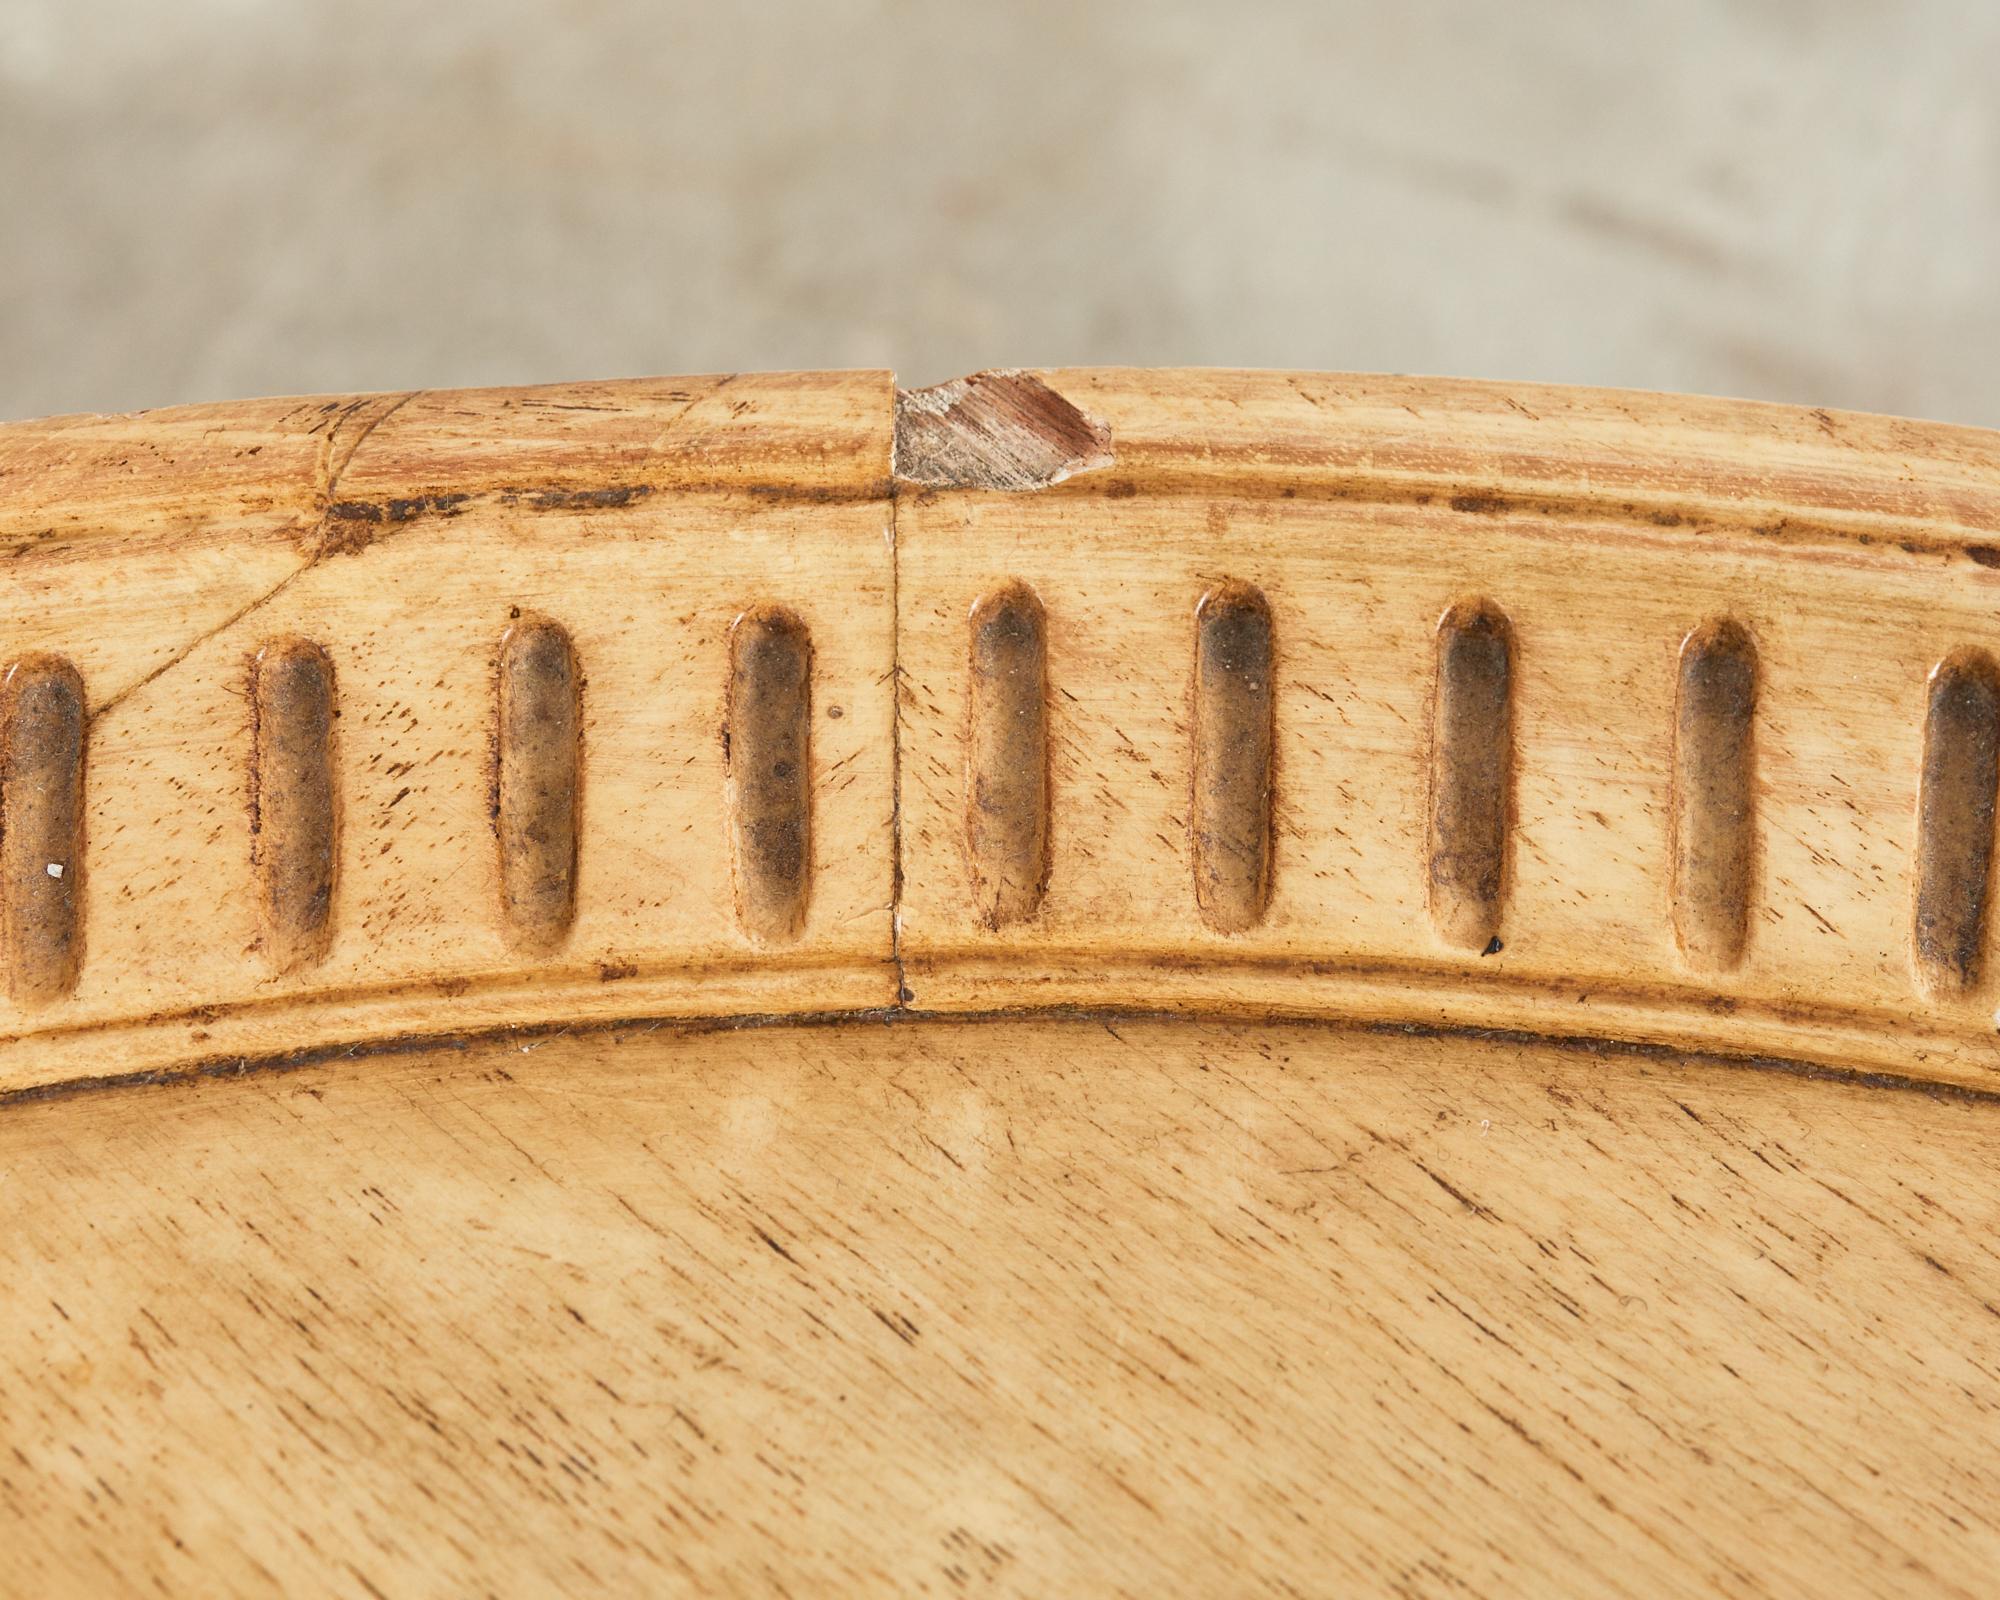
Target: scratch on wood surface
317,543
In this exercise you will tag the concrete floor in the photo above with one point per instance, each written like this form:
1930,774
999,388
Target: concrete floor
1791,199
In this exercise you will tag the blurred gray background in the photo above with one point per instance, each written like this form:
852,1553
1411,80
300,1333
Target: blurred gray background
1788,199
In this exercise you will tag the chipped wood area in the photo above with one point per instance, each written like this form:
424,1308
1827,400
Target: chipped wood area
1006,431
1001,1308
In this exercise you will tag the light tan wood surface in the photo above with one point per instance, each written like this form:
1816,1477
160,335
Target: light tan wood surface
1606,529
1083,982
405,535
1001,1308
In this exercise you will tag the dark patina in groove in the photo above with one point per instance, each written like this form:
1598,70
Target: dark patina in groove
537,781
294,800
1472,775
1955,810
769,742
1714,794
1233,722
1007,755
43,733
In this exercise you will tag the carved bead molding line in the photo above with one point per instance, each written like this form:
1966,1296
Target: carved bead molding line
1596,716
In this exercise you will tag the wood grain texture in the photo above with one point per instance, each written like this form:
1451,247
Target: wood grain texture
1002,1308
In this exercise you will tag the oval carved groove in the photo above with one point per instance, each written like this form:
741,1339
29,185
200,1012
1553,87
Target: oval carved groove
770,770
537,782
42,748
1232,757
1715,807
1955,822
1007,756
1472,775
295,801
